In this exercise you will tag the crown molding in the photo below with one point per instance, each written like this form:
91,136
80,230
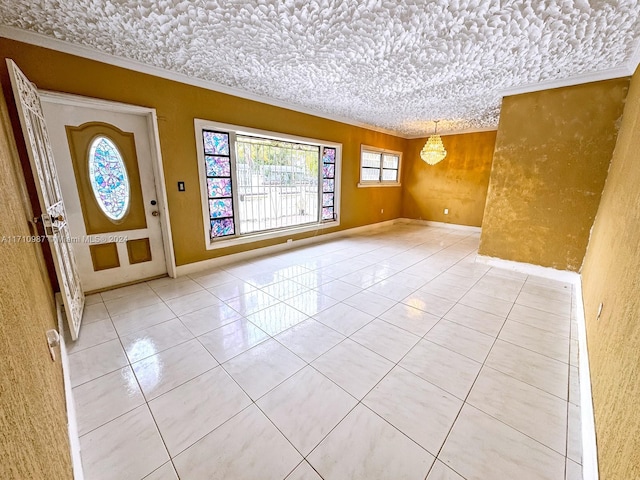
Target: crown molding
44,41
617,72
446,133
634,61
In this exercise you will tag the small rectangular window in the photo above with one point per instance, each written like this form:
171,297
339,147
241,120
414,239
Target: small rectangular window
379,167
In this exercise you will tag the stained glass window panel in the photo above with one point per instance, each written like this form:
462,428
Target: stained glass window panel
219,187
222,227
327,199
216,143
329,155
218,166
108,178
328,170
220,207
327,213
327,185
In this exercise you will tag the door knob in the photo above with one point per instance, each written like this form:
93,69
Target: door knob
155,213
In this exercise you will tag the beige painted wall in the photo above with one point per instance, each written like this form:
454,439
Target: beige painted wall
611,274
33,420
553,150
177,105
458,183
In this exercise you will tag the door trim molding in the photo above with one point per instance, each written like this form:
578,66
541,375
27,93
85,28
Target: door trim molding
156,154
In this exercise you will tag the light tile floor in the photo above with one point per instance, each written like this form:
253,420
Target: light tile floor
390,355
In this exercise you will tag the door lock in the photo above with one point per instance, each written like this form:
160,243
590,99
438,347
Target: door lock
155,213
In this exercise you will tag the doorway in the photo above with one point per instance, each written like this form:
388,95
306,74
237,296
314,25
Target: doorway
108,164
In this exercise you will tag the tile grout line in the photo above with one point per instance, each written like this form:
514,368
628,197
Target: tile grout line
464,402
396,302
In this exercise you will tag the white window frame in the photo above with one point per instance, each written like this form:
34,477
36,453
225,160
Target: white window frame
285,232
380,182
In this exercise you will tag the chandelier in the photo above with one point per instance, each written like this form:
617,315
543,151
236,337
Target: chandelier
433,151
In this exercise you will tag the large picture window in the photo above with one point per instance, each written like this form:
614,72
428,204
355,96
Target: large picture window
260,183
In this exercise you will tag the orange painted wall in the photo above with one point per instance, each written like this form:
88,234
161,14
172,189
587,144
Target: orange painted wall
611,275
458,183
552,153
177,105
33,417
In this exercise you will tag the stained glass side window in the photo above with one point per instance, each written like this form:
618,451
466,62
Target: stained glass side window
217,159
108,178
216,143
328,183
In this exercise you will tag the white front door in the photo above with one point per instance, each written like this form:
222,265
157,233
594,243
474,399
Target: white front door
105,164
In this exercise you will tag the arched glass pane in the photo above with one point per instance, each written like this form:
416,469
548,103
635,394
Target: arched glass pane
108,178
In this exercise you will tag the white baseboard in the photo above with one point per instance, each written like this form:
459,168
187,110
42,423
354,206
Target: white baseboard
430,223
72,422
195,267
588,433
530,269
589,445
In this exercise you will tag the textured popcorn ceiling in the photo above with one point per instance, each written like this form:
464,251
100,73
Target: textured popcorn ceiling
391,64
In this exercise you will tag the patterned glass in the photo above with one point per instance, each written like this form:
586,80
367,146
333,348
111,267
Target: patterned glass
108,178
219,187
329,155
216,143
328,170
218,166
220,207
222,227
328,183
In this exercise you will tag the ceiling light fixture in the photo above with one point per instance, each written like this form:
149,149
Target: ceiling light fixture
433,151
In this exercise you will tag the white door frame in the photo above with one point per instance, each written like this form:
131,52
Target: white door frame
156,154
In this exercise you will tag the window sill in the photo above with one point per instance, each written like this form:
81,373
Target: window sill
257,237
378,184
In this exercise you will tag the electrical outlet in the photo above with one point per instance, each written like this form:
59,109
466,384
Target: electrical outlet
382,210
446,211
289,240
599,310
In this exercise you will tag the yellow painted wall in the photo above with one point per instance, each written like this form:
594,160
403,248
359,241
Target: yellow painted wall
611,274
458,183
552,153
33,420
177,105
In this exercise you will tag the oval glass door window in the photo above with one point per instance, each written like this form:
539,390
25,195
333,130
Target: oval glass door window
108,178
